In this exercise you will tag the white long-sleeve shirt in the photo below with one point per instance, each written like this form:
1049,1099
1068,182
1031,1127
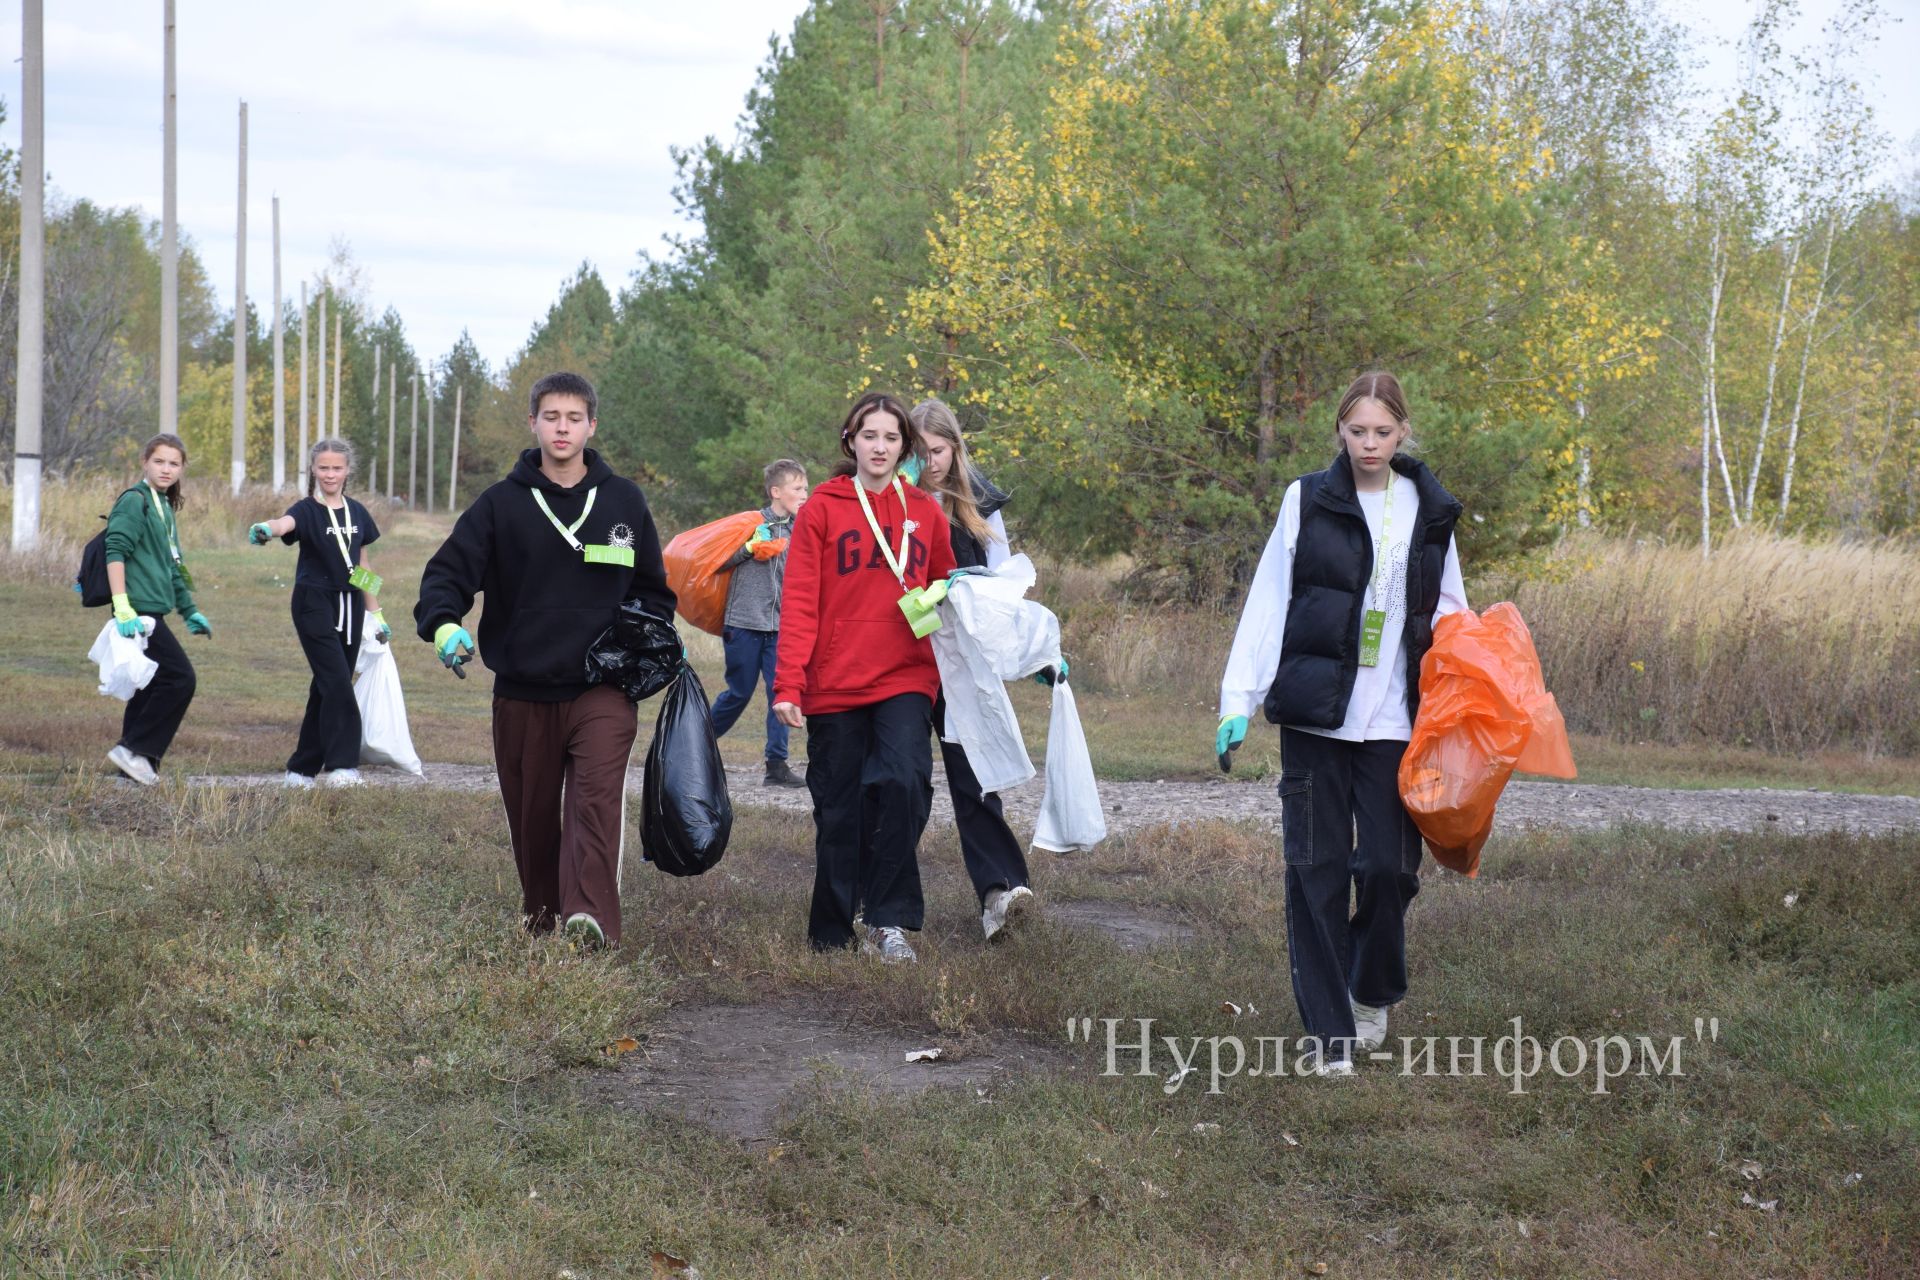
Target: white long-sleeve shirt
1378,707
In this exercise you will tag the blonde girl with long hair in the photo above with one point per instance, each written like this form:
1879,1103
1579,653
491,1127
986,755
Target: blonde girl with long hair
996,862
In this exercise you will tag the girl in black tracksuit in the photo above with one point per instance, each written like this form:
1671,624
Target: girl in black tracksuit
996,863
335,599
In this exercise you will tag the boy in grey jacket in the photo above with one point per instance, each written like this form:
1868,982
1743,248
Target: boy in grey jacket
751,630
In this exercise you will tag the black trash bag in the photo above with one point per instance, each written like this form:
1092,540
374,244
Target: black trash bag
640,654
685,813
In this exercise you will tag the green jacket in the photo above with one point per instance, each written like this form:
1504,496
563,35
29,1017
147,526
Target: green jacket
141,537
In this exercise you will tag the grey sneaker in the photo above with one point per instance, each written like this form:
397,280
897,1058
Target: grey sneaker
299,781
1005,907
890,944
134,765
1369,1025
779,775
585,930
344,778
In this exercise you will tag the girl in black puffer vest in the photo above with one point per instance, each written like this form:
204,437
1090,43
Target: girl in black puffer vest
1341,611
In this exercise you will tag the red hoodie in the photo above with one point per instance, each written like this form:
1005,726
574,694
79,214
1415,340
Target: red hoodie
843,641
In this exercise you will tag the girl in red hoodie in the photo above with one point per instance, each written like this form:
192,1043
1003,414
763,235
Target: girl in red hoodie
852,671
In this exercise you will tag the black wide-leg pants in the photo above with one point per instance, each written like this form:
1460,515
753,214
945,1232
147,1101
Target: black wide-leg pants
328,623
153,714
870,770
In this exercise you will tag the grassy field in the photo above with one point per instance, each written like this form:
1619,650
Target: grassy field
260,1033
272,1034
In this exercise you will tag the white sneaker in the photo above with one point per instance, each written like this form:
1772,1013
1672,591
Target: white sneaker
889,943
1005,907
1321,1065
1369,1025
135,766
585,930
299,781
344,778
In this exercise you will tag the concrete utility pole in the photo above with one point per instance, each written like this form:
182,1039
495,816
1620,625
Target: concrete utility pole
169,244
393,406
413,441
320,370
279,364
338,316
240,322
31,354
300,458
453,467
429,443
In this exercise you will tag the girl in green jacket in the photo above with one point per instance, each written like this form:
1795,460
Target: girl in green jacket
149,581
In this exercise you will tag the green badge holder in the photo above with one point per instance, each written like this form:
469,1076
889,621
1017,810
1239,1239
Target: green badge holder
364,579
920,605
599,554
1371,627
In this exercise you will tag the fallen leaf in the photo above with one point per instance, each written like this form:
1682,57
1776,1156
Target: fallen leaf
1526,1232
668,1267
1750,1170
1764,1206
1316,1268
1289,1139
774,1153
926,1055
1206,1127
625,1044
1229,1008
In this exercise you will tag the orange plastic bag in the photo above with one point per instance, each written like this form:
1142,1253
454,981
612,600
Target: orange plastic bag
696,569
1484,712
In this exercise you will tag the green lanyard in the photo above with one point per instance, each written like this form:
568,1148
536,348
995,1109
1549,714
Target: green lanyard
568,530
341,537
895,563
1385,545
168,529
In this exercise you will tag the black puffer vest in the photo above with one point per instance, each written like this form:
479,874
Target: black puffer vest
968,551
1332,564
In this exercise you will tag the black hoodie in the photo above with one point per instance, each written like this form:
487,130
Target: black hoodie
545,604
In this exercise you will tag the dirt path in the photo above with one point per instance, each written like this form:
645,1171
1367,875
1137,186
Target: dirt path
1131,806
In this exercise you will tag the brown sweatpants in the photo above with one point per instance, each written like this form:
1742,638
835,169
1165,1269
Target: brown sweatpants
563,775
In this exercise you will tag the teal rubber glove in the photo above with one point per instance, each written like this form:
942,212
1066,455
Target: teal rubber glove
1233,732
260,535
381,631
911,468
454,645
197,623
125,620
964,570
1049,675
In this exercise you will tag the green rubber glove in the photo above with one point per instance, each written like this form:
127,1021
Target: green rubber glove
454,645
760,534
1233,732
260,535
381,631
964,570
911,468
197,623
125,620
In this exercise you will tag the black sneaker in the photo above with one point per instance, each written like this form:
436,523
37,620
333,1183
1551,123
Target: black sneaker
779,775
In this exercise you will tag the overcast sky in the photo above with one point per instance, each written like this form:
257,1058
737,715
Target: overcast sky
474,152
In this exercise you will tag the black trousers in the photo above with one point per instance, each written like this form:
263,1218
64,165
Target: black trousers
153,715
1353,866
988,846
871,774
328,623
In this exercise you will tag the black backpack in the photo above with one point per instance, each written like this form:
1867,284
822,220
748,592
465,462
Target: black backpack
91,582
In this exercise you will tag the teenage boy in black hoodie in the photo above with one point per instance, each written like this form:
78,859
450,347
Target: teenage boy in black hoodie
556,548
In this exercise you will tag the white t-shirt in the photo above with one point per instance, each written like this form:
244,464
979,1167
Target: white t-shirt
1377,708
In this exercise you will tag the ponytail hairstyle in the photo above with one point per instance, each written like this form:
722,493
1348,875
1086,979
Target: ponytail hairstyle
340,447
167,440
1383,389
866,406
934,419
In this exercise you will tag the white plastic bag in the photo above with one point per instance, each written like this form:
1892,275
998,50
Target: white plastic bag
384,738
1070,818
995,635
125,668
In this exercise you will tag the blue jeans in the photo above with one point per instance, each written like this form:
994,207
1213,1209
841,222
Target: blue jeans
749,659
